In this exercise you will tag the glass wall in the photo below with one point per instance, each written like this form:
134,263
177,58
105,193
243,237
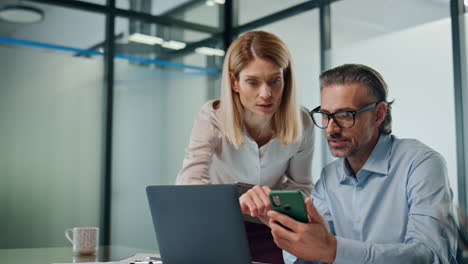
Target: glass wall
158,91
205,12
356,20
304,43
465,76
52,100
414,55
51,112
250,10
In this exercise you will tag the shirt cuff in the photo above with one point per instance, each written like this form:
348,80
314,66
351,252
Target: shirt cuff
288,257
349,251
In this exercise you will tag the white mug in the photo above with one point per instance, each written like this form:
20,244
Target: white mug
85,240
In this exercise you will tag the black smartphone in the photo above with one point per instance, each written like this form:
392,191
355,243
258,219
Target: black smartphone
289,202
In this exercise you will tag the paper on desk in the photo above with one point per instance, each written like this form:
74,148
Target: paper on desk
136,257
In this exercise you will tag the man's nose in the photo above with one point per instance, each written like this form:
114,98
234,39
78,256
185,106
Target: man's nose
332,127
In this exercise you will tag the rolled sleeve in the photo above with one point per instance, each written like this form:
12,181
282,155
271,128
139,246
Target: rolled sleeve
198,155
349,251
289,258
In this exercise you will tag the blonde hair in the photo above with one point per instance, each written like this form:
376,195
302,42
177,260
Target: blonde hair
287,123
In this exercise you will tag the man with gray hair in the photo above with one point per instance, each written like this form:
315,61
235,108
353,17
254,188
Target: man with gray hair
378,202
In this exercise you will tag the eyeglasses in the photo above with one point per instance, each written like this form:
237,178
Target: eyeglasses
344,119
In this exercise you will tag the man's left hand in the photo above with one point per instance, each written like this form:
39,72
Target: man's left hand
308,241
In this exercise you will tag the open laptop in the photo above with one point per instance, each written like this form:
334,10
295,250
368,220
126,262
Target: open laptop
198,224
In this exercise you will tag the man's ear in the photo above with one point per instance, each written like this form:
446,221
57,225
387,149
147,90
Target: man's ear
234,82
381,112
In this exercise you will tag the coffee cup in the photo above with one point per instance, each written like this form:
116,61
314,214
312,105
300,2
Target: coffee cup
85,240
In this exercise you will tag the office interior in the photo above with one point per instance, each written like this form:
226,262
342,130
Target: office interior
98,97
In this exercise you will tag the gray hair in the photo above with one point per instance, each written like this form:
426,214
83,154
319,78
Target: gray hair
370,78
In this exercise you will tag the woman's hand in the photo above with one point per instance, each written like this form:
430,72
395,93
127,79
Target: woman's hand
255,202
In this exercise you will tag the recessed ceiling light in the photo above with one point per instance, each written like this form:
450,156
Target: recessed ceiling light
209,51
213,2
145,39
175,45
21,14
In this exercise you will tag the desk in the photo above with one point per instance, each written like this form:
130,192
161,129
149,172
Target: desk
64,255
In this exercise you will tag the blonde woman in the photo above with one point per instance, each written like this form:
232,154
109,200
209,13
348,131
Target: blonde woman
256,133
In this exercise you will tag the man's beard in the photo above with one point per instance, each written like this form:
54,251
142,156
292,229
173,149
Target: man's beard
335,151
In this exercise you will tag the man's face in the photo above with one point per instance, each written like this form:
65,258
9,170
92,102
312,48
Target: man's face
357,140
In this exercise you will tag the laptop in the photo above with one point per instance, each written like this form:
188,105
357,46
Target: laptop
198,224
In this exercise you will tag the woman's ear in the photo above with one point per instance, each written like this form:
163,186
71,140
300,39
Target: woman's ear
234,82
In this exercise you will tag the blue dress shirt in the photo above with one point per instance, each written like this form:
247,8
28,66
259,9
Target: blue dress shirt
388,212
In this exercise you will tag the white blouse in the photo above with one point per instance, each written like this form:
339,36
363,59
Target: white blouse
211,159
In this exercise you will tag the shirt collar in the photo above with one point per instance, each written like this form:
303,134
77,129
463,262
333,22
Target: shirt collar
377,161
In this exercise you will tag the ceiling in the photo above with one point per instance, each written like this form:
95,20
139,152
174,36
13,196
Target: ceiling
351,19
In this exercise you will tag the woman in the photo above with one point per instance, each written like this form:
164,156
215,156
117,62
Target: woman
256,133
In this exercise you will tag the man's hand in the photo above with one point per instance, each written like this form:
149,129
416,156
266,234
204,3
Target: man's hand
308,241
256,202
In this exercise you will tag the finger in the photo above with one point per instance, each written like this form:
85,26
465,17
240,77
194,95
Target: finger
262,193
281,235
279,240
243,206
265,219
312,212
266,191
277,229
285,220
283,244
247,205
256,193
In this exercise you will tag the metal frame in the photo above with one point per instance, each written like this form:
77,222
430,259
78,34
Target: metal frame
235,30
163,20
230,31
106,184
228,24
460,85
325,44
283,14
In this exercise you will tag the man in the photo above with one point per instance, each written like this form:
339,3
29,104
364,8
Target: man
378,202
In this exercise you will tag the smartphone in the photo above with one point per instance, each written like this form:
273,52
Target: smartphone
289,202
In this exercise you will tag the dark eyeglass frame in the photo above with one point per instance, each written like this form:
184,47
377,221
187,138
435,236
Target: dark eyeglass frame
332,116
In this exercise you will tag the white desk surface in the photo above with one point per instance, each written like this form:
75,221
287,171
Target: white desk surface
114,254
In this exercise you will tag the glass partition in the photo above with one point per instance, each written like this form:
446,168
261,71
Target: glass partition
304,43
250,10
204,12
414,58
357,20
51,111
158,91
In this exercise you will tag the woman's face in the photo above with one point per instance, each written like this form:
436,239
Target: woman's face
260,87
